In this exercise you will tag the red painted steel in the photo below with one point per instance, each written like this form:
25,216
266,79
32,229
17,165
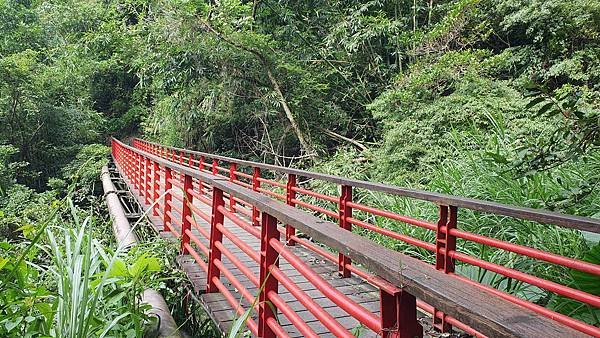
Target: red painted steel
215,236
167,203
155,181
444,244
255,187
135,165
269,258
290,195
232,178
345,212
399,315
186,214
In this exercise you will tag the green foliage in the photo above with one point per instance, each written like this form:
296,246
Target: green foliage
585,282
8,168
86,166
496,100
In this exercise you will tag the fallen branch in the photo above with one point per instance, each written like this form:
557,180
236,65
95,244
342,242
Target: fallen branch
357,144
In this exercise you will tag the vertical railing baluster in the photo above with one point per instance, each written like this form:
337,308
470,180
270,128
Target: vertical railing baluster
268,259
201,168
191,161
290,196
444,244
186,214
255,186
216,235
138,173
167,203
147,176
345,212
232,179
155,181
215,163
398,311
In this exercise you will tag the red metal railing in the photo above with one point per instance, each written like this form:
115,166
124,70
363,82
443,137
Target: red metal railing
349,213
179,214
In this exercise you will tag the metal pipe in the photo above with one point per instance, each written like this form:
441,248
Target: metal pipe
124,236
120,224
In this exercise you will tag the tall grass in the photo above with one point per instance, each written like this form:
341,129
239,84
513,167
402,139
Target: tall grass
570,188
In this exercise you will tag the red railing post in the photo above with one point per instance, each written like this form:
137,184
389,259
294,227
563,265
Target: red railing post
147,184
232,179
289,197
268,259
156,188
140,175
215,163
191,161
135,162
167,208
444,244
214,254
345,212
399,315
255,186
201,168
186,214
181,157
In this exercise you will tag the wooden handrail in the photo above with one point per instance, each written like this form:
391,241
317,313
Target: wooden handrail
471,305
531,214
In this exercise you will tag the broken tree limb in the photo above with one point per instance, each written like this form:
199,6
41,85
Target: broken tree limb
357,144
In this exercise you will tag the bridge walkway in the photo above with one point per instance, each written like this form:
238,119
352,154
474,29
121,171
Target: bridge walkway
220,310
231,223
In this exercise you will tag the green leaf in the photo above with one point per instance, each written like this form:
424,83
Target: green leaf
119,269
585,281
143,264
9,325
535,101
238,325
3,262
546,108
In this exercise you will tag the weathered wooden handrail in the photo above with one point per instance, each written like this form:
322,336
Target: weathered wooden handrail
469,304
537,215
446,231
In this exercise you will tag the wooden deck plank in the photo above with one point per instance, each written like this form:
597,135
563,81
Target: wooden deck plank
222,313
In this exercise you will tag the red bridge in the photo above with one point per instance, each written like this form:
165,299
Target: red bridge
256,240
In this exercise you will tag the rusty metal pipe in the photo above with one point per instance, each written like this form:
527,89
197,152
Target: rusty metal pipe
167,327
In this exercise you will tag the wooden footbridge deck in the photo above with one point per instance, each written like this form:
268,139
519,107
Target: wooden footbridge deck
251,242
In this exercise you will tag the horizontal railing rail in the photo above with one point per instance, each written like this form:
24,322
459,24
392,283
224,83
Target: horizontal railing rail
536,215
439,237
400,278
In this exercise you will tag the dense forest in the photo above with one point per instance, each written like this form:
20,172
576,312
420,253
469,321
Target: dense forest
497,100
